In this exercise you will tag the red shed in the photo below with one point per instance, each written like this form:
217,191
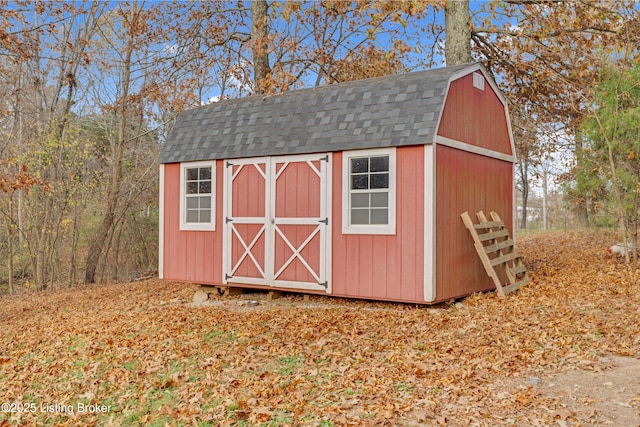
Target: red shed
352,189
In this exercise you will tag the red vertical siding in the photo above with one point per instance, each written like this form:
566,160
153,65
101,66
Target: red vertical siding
379,266
466,182
297,195
249,192
248,177
193,256
474,116
297,190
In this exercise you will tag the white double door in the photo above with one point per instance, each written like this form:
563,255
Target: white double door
276,221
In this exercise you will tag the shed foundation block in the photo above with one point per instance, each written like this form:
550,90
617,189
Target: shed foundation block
274,295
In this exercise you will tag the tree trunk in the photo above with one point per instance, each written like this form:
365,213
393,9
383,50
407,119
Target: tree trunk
581,209
100,237
525,201
634,239
260,46
545,195
20,139
524,175
620,206
74,248
10,243
458,32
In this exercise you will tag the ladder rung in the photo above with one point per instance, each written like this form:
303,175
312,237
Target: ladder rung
524,281
489,224
510,288
497,246
518,269
493,235
504,258
516,285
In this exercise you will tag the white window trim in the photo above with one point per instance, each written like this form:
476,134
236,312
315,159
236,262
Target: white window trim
347,228
478,80
202,226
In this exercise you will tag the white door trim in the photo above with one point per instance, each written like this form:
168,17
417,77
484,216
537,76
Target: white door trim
228,223
271,222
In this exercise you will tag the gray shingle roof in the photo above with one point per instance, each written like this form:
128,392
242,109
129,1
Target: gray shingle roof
381,112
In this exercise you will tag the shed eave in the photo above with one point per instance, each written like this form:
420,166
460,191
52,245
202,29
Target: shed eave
214,156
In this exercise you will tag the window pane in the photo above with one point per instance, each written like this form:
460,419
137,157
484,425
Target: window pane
205,187
360,165
192,188
359,216
379,200
197,196
205,215
380,164
360,200
192,216
359,182
205,202
192,174
379,216
205,173
192,203
380,180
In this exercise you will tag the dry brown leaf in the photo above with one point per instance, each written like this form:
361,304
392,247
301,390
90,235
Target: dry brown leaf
346,361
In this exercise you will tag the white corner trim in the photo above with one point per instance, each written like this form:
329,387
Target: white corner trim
473,149
514,211
161,224
388,229
429,223
328,188
206,226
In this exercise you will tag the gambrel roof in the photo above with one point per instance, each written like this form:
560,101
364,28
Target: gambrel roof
390,111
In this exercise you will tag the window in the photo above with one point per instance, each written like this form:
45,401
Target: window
478,81
197,196
369,192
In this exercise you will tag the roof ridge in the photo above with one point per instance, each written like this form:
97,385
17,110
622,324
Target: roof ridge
356,82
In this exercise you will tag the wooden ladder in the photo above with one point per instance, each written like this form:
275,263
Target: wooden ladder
499,251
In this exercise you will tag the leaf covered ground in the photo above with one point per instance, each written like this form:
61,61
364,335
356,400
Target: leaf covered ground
138,354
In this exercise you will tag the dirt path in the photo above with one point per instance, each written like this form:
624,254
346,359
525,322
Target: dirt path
605,393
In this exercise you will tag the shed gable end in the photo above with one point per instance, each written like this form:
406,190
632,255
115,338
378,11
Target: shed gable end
475,116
